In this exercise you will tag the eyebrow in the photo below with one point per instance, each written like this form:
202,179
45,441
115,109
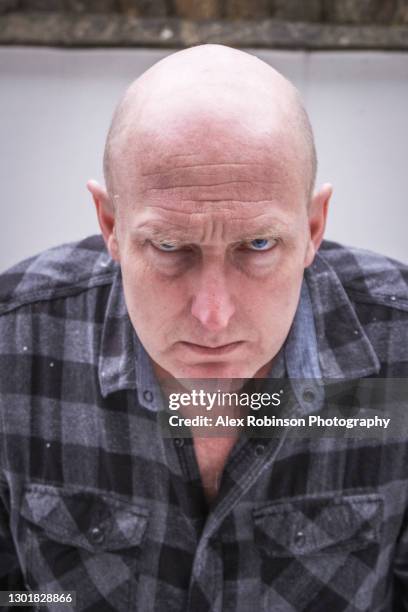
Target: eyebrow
170,232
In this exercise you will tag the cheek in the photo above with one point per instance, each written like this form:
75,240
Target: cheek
271,306
281,286
151,300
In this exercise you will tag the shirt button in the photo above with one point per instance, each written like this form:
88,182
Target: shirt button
178,442
300,538
259,449
148,395
96,535
308,396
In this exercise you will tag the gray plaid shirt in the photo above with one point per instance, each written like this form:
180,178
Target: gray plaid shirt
94,499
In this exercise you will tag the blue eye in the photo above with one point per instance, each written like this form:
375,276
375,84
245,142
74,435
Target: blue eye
261,244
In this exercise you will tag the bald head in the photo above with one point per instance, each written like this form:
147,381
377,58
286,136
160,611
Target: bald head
210,95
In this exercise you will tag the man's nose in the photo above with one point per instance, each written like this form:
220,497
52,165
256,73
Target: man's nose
212,302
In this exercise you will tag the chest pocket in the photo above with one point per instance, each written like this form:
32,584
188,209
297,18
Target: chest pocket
318,551
84,542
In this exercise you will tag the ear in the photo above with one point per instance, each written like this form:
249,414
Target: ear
317,216
106,217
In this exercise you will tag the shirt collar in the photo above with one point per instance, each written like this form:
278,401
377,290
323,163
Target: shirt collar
301,350
116,365
345,351
338,346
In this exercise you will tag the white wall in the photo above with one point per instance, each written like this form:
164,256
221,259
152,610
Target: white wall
55,108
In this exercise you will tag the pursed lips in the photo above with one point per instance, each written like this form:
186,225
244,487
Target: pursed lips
212,350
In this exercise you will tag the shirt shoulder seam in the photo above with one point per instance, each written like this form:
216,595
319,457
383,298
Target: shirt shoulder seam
53,293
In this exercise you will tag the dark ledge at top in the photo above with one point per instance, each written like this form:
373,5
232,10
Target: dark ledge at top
113,30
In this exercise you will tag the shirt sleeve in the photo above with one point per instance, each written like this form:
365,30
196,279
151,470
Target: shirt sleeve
400,603
11,578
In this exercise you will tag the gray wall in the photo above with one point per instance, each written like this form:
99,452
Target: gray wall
56,106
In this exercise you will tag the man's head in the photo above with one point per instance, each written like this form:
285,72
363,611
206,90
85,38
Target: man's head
209,209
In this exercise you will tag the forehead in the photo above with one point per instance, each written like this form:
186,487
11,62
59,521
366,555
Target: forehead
185,145
208,174
221,165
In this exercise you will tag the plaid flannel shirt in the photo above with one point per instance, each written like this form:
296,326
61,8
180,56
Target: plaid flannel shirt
94,499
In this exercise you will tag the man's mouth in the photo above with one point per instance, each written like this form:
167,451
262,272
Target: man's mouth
221,349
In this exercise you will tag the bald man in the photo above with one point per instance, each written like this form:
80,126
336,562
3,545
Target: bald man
210,270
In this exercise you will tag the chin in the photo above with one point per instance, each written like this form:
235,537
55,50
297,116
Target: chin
215,371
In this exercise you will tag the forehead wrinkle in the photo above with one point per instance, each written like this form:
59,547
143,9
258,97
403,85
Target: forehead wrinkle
215,184
200,207
217,173
198,165
169,213
211,190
